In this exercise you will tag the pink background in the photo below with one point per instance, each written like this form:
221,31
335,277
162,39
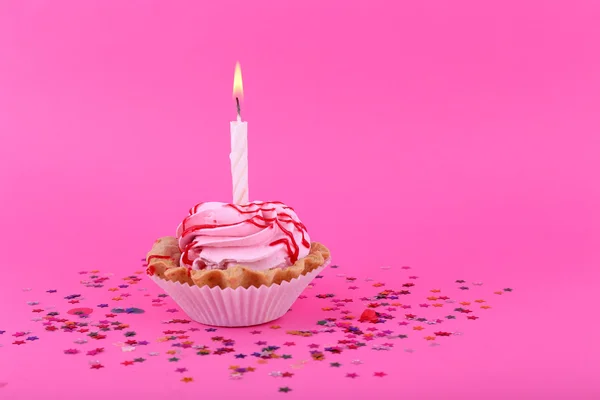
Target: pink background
459,137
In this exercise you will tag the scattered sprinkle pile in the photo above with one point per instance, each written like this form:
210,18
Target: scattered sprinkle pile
371,317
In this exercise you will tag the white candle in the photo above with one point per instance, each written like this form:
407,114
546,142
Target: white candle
239,146
239,161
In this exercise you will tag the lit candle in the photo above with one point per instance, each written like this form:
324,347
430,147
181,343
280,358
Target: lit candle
239,145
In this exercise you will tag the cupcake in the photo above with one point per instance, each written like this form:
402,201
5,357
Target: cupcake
237,265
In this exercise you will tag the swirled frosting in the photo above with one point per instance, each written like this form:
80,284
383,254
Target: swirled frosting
259,235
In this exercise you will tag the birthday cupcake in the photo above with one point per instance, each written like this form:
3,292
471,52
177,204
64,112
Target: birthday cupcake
237,265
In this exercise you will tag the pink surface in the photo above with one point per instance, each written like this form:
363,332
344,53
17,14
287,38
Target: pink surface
460,138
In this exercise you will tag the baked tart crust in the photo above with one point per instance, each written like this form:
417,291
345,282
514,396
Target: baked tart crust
163,262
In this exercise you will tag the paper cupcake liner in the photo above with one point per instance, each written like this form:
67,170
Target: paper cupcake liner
237,307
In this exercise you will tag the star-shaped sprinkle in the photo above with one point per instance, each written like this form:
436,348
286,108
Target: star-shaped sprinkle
507,289
352,375
379,374
95,351
187,379
71,351
173,359
335,364
127,363
275,374
181,370
96,366
236,375
139,360
285,389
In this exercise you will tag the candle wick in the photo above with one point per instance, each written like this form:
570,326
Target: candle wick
239,109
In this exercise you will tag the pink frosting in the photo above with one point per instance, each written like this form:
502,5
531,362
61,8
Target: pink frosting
260,235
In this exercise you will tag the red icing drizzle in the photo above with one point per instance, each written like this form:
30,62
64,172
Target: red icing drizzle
185,259
157,256
194,209
292,247
151,270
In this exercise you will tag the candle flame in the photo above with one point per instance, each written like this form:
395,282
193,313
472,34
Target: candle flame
238,87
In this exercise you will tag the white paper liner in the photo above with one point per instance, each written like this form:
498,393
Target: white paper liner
237,307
